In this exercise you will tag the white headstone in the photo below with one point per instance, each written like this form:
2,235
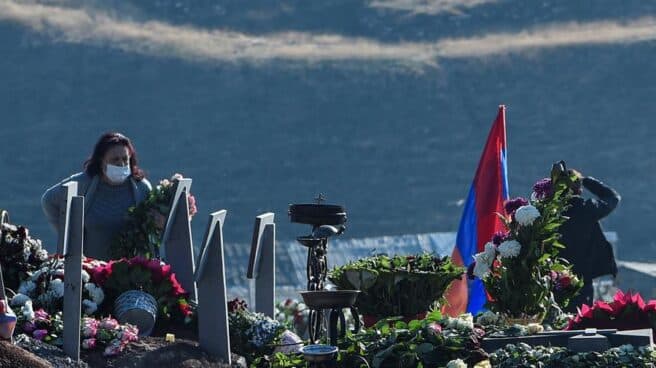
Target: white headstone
73,277
177,247
213,328
262,264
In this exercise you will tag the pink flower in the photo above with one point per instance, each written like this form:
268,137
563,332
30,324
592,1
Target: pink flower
40,334
109,323
88,344
41,315
129,334
89,331
435,328
191,201
176,288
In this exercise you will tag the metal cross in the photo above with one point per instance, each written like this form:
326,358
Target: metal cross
320,198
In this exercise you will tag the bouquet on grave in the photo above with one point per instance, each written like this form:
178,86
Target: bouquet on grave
520,268
254,335
20,254
151,276
44,288
143,233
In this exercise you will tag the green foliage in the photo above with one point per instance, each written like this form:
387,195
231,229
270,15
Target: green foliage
532,282
431,342
143,233
523,355
396,286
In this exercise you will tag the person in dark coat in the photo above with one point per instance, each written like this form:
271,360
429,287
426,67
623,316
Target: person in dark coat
586,247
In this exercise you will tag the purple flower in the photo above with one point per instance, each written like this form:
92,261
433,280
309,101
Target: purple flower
109,323
543,188
28,327
499,237
39,334
512,205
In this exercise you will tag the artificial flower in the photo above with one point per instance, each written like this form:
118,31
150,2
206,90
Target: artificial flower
526,215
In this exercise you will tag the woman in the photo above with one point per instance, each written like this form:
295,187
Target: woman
110,183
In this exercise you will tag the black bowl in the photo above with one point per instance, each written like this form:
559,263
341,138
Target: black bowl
317,214
327,299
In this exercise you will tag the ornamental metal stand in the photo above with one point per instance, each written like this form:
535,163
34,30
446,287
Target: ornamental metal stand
327,221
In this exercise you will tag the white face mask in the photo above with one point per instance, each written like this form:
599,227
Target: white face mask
117,174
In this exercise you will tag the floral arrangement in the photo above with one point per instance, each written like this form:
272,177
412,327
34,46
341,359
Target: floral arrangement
523,355
396,286
44,287
20,254
432,342
254,335
294,315
626,312
143,234
106,333
520,267
151,276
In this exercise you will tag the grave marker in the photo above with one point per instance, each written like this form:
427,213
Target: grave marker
73,248
213,328
262,264
177,247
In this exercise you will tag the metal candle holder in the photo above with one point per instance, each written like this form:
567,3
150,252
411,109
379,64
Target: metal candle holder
326,220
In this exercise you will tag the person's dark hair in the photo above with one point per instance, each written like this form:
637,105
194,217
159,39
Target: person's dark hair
93,165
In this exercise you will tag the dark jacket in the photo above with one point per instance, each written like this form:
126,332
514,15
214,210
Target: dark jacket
586,246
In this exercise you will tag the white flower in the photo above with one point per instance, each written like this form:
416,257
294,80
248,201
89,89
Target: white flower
89,307
85,277
19,300
95,292
481,268
28,312
525,215
27,252
57,288
490,251
176,177
465,322
509,249
41,254
26,287
534,328
457,363
290,342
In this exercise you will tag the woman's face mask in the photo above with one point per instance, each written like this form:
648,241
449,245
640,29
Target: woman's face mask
117,174
117,164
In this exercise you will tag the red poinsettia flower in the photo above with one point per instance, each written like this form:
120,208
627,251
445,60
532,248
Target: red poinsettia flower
650,307
601,306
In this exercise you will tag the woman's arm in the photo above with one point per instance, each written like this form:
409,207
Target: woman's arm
607,197
50,202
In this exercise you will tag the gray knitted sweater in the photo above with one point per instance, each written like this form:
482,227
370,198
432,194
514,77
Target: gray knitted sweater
105,209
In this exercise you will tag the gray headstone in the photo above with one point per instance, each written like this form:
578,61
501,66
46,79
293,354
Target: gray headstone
563,339
73,278
213,328
64,210
177,247
262,264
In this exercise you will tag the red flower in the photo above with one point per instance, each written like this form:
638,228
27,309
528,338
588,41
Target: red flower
176,288
603,307
650,307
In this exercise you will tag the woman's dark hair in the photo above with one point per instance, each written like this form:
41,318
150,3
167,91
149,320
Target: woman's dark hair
93,165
